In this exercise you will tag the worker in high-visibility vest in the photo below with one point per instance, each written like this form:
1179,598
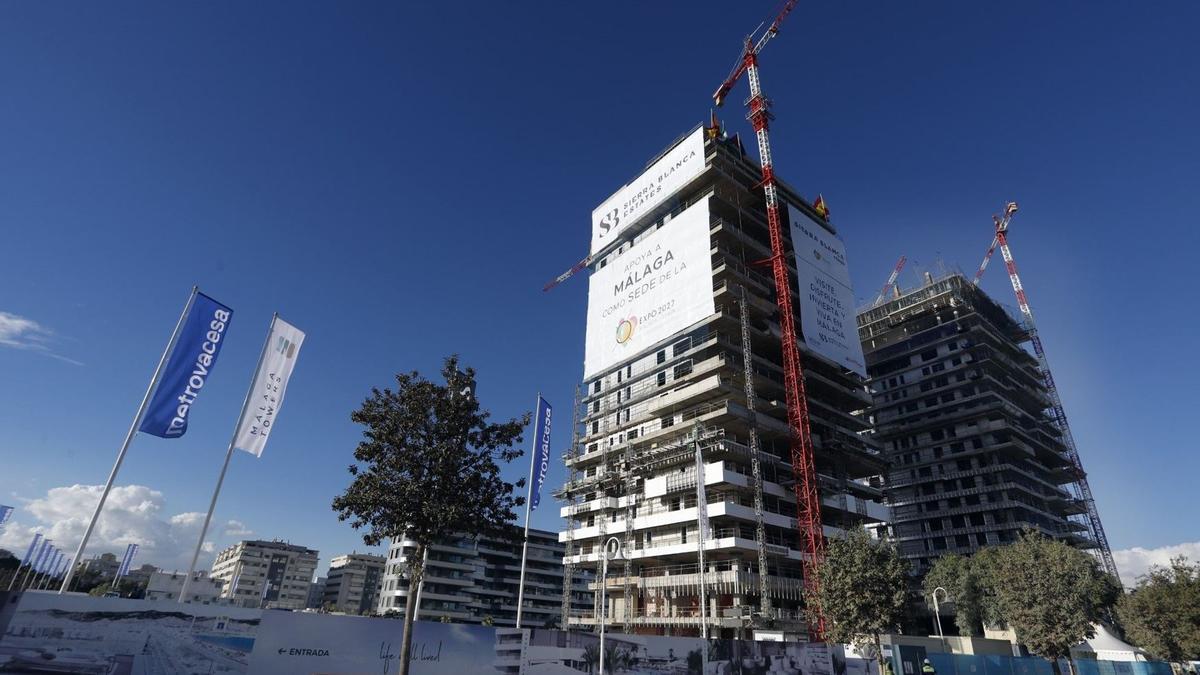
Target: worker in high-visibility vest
928,669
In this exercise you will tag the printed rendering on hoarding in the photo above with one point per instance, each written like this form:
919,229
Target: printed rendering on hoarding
661,285
662,180
52,633
826,296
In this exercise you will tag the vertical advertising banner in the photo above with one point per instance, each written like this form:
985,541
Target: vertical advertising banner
192,360
541,455
826,296
660,286
269,386
661,181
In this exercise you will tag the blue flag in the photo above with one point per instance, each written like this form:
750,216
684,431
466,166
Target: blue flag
192,360
541,451
5,512
32,547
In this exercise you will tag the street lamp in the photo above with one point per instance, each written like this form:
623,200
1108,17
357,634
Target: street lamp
612,549
937,610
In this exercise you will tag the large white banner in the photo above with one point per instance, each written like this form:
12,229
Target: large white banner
662,180
660,286
270,384
826,296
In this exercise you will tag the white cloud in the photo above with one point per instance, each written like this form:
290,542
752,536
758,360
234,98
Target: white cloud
20,332
133,514
236,529
1136,561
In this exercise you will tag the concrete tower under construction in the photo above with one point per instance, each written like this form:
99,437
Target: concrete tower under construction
960,411
681,458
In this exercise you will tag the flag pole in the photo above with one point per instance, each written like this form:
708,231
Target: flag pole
533,453
224,467
137,419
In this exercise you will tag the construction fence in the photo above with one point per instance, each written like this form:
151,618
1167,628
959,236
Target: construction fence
46,632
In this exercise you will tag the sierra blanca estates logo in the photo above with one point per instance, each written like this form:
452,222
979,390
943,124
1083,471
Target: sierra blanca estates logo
625,329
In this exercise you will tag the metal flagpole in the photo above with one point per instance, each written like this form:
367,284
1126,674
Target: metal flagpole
224,467
533,452
137,420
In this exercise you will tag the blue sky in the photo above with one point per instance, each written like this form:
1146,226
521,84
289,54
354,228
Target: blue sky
399,181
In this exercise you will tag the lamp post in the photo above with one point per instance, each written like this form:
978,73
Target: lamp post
612,549
937,610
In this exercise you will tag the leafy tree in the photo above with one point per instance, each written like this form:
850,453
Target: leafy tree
429,467
1162,614
100,591
965,580
1049,593
488,620
591,657
861,591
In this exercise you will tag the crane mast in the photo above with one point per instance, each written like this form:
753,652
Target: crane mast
1059,414
890,282
808,504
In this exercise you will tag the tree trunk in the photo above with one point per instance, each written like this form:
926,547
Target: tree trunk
415,571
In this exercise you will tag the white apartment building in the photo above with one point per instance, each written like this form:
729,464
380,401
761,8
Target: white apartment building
353,583
268,574
202,590
472,579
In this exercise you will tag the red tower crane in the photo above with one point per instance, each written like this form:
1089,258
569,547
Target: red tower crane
1084,491
808,503
890,282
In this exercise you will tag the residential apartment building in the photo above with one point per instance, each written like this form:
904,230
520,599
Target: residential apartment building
269,574
471,579
353,583
202,590
960,410
681,318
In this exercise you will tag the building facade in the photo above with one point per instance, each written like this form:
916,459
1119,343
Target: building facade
960,411
671,384
472,579
202,590
316,593
353,583
269,574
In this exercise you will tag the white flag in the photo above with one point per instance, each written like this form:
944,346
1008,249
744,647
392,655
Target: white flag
270,383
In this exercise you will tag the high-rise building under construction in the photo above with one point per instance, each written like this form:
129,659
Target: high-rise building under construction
677,464
961,414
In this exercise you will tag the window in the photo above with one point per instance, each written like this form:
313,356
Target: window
682,370
668,422
681,346
662,378
596,387
662,356
683,535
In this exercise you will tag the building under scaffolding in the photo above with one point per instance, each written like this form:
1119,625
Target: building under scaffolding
960,412
682,406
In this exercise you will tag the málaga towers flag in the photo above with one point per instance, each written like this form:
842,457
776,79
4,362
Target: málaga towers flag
269,385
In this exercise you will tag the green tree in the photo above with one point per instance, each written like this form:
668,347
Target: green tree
861,591
955,574
1162,614
100,590
1049,593
429,467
